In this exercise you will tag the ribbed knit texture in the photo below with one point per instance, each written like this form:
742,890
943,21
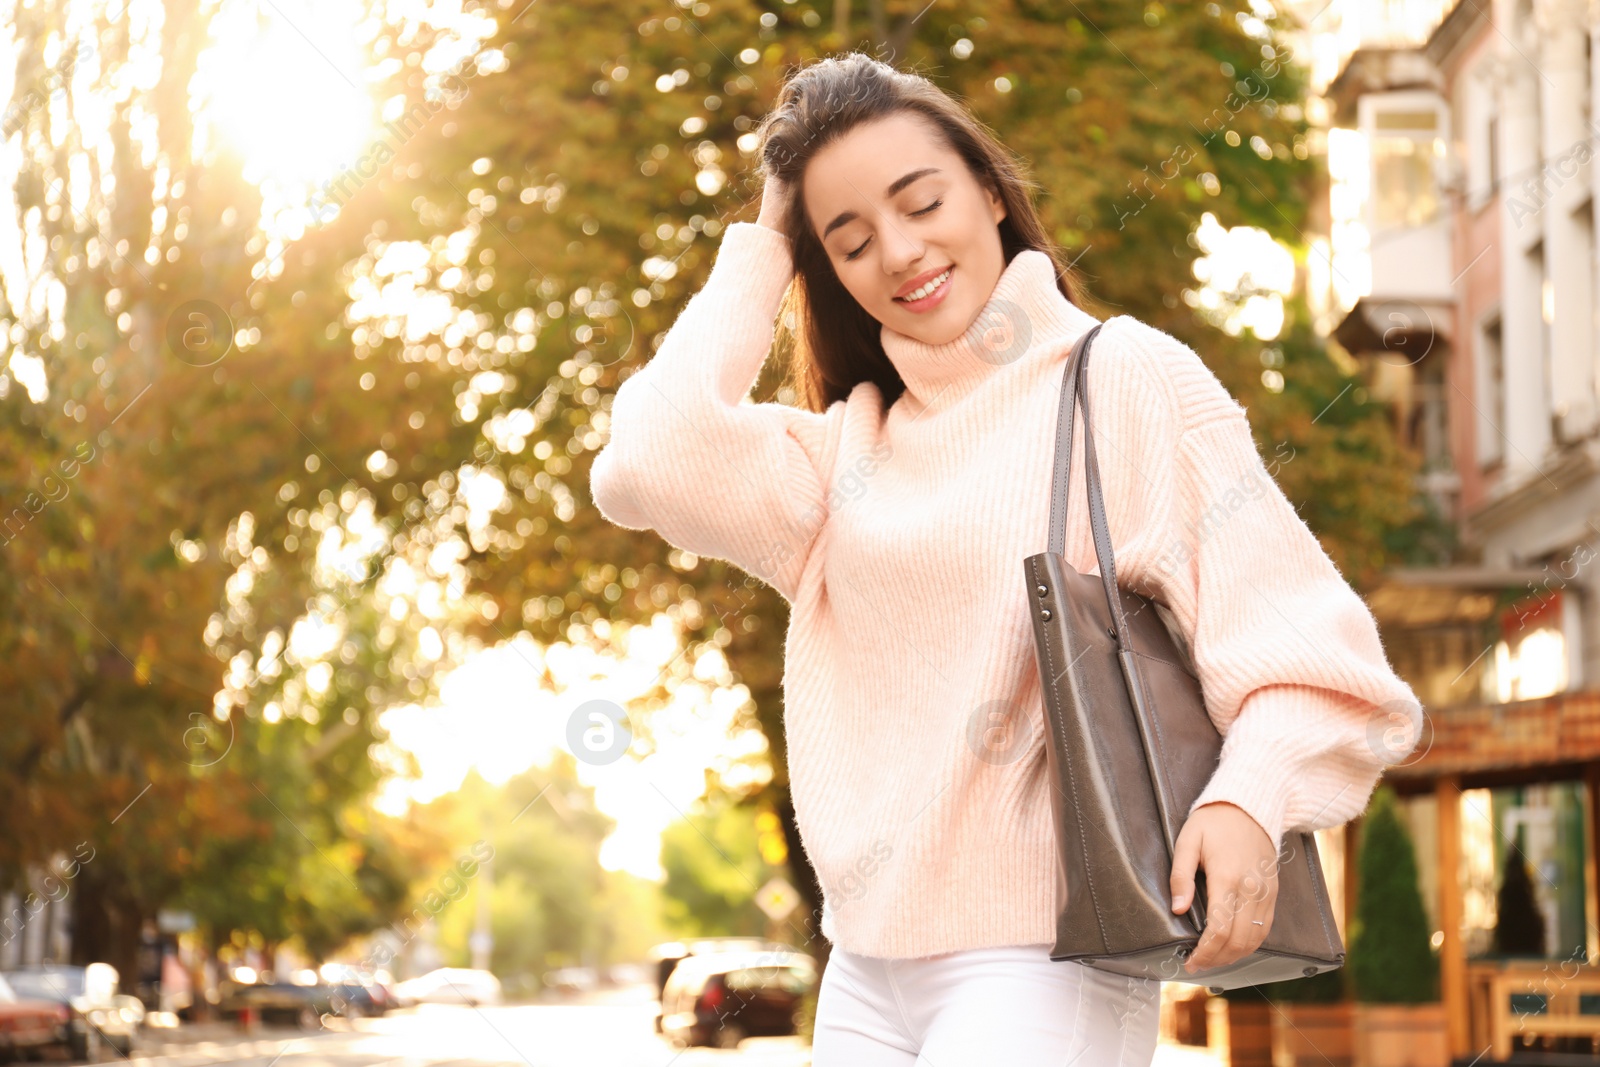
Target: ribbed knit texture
914,715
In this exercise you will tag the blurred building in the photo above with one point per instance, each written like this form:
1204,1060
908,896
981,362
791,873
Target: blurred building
1458,268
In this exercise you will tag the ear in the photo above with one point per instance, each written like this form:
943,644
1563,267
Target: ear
997,206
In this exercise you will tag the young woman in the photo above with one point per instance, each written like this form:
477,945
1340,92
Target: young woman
893,512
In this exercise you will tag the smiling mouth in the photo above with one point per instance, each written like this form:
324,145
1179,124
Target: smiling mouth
928,289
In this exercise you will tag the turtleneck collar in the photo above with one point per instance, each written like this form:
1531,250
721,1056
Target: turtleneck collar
1024,311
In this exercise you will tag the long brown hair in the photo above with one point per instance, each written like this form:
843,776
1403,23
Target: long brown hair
837,344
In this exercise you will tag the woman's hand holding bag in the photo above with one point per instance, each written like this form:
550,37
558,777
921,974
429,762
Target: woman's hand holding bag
1241,872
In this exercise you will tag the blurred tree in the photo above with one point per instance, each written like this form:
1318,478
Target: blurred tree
1391,961
1333,450
552,903
200,710
714,867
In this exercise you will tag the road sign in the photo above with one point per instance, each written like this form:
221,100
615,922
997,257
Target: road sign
777,898
174,922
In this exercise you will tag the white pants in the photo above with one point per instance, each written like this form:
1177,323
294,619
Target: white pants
1012,1005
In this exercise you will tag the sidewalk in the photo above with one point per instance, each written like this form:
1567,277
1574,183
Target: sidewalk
213,1037
1175,1055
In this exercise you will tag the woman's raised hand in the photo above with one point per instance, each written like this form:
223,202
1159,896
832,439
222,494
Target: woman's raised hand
774,203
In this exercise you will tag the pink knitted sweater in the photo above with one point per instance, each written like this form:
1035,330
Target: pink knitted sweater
913,710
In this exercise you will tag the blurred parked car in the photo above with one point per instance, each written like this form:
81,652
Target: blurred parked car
291,1003
668,954
622,974
450,985
27,1024
722,998
98,1016
364,990
571,979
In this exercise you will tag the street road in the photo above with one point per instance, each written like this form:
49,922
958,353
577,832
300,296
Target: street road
610,1030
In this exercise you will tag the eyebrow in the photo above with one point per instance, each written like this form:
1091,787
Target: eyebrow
894,187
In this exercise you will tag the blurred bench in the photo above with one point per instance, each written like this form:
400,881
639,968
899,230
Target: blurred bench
1556,998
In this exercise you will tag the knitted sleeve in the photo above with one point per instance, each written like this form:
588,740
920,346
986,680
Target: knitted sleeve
1289,656
691,457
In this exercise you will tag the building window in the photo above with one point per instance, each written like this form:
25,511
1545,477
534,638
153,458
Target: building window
1535,666
1530,659
1494,154
1491,368
1535,834
1478,131
1405,144
1581,393
1430,428
1585,98
1547,318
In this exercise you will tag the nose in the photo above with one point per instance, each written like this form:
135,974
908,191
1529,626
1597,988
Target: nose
900,250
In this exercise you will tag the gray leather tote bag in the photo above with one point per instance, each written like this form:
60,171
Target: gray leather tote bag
1130,747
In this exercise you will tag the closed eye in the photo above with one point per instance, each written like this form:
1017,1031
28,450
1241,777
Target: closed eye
915,214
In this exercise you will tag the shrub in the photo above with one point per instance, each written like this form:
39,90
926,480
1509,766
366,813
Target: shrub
1391,960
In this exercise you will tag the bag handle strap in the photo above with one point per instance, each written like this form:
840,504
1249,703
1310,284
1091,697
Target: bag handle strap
1061,472
1075,392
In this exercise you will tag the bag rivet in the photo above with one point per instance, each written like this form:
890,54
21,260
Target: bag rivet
1044,590
1309,971
1044,613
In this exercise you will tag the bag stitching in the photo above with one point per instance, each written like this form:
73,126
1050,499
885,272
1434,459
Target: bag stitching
1053,696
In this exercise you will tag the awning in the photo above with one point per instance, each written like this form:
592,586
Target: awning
1410,329
1415,597
1549,738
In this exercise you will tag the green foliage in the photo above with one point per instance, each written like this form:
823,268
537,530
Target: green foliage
551,902
1390,960
714,867
1333,451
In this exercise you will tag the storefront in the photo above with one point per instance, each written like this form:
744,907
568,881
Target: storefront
1521,943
